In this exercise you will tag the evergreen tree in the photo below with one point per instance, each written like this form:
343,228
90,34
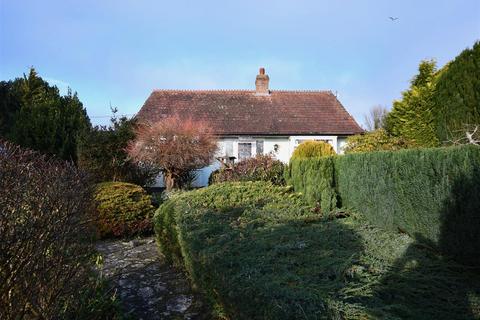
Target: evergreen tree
412,117
457,96
10,104
102,153
35,115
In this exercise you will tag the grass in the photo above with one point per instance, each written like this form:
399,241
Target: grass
259,252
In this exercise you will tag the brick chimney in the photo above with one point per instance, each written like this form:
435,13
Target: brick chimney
261,83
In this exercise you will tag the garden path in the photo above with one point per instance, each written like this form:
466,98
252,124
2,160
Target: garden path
148,288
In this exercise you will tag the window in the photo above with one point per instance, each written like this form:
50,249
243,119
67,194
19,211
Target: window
228,148
259,144
244,150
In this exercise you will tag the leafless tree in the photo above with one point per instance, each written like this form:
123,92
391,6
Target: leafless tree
470,134
375,119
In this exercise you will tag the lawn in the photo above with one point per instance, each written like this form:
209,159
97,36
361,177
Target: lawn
258,251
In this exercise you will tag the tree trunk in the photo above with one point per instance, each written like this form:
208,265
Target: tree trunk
169,181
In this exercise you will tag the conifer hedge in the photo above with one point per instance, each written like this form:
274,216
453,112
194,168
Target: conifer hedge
431,194
314,177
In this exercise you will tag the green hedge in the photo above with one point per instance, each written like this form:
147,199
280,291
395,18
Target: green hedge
314,178
245,245
257,251
431,194
123,209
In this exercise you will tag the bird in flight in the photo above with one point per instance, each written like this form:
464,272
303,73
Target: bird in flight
393,18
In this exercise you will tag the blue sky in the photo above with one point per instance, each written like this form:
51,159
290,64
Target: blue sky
117,52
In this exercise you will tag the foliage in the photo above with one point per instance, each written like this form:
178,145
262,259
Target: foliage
259,252
457,95
429,193
102,152
441,105
96,301
310,149
376,118
377,140
260,168
10,103
413,117
35,115
45,246
176,146
123,209
314,178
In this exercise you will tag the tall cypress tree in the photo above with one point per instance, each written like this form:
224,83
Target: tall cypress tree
457,96
412,117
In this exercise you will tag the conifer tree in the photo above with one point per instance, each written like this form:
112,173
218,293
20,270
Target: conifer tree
457,96
412,117
36,116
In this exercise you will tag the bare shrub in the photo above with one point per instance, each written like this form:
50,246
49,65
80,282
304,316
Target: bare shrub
44,234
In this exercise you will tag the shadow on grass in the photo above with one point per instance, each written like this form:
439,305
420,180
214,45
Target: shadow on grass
422,284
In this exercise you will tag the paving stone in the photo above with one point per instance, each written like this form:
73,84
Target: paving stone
148,287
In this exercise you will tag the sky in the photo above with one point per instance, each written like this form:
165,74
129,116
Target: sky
115,52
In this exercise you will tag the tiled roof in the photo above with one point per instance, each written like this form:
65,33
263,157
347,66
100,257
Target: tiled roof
244,112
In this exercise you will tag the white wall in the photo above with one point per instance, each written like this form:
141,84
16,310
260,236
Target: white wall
280,147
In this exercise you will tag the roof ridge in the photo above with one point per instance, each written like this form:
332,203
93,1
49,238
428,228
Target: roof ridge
304,91
203,90
239,90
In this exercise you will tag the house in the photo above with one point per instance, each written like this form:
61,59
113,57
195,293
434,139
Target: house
260,121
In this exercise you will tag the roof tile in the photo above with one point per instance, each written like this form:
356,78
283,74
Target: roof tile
243,112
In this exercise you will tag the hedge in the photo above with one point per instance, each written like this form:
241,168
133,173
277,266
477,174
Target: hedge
240,244
258,251
314,178
431,194
123,209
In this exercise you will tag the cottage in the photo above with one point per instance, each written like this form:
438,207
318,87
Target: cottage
260,121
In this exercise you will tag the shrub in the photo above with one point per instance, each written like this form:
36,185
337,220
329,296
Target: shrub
314,178
377,140
311,149
123,209
428,193
45,237
102,153
260,168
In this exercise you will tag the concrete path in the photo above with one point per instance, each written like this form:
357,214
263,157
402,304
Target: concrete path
148,288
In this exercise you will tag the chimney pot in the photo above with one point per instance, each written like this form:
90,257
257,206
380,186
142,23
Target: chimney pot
261,83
